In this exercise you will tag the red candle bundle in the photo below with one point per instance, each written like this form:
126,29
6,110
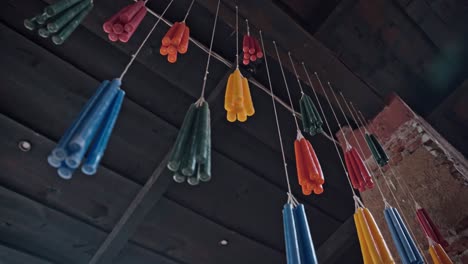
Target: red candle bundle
251,49
429,228
122,25
358,173
175,41
309,171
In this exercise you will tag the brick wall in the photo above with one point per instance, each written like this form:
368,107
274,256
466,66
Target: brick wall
424,168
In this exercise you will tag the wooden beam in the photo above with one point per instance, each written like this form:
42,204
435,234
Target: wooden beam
10,255
338,243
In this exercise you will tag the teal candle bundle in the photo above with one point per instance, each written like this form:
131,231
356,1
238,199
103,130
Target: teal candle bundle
90,130
190,158
377,150
60,19
298,241
406,247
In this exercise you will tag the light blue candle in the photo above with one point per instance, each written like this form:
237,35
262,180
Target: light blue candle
395,236
290,236
90,125
65,172
60,152
100,144
414,249
306,245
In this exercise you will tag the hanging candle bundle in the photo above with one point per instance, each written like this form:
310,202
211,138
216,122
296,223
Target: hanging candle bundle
357,171
438,254
299,244
177,39
428,226
298,241
309,172
251,50
93,126
311,119
402,239
237,100
190,158
373,246
122,25
60,19
308,167
376,149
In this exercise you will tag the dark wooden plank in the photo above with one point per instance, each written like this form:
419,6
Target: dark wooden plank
52,91
338,243
12,256
52,234
146,198
100,200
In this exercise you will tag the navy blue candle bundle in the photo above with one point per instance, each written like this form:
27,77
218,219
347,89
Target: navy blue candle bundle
90,130
406,247
299,244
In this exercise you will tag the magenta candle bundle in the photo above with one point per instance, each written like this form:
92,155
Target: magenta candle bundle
122,25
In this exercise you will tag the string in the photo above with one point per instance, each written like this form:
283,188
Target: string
188,11
143,43
277,120
383,175
287,87
248,28
329,130
297,75
202,96
237,37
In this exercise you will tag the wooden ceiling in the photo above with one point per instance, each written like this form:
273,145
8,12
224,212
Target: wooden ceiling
48,220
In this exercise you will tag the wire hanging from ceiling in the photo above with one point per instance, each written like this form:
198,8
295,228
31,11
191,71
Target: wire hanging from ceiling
298,241
309,170
238,100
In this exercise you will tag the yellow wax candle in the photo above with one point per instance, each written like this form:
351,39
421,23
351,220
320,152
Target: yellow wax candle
434,256
378,238
248,104
371,244
238,96
444,258
228,104
362,241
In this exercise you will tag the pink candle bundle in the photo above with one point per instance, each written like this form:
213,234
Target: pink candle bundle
123,24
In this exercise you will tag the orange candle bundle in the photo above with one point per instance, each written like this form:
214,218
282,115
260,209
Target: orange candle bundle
438,254
357,171
237,101
251,49
123,24
373,246
309,172
175,41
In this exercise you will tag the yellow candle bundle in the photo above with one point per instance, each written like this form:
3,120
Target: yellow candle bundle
438,254
237,101
373,246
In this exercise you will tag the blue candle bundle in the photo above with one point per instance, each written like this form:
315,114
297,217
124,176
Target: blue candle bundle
406,247
93,125
299,244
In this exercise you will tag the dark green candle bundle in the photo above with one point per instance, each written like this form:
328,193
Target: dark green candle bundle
311,120
377,150
59,20
191,155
